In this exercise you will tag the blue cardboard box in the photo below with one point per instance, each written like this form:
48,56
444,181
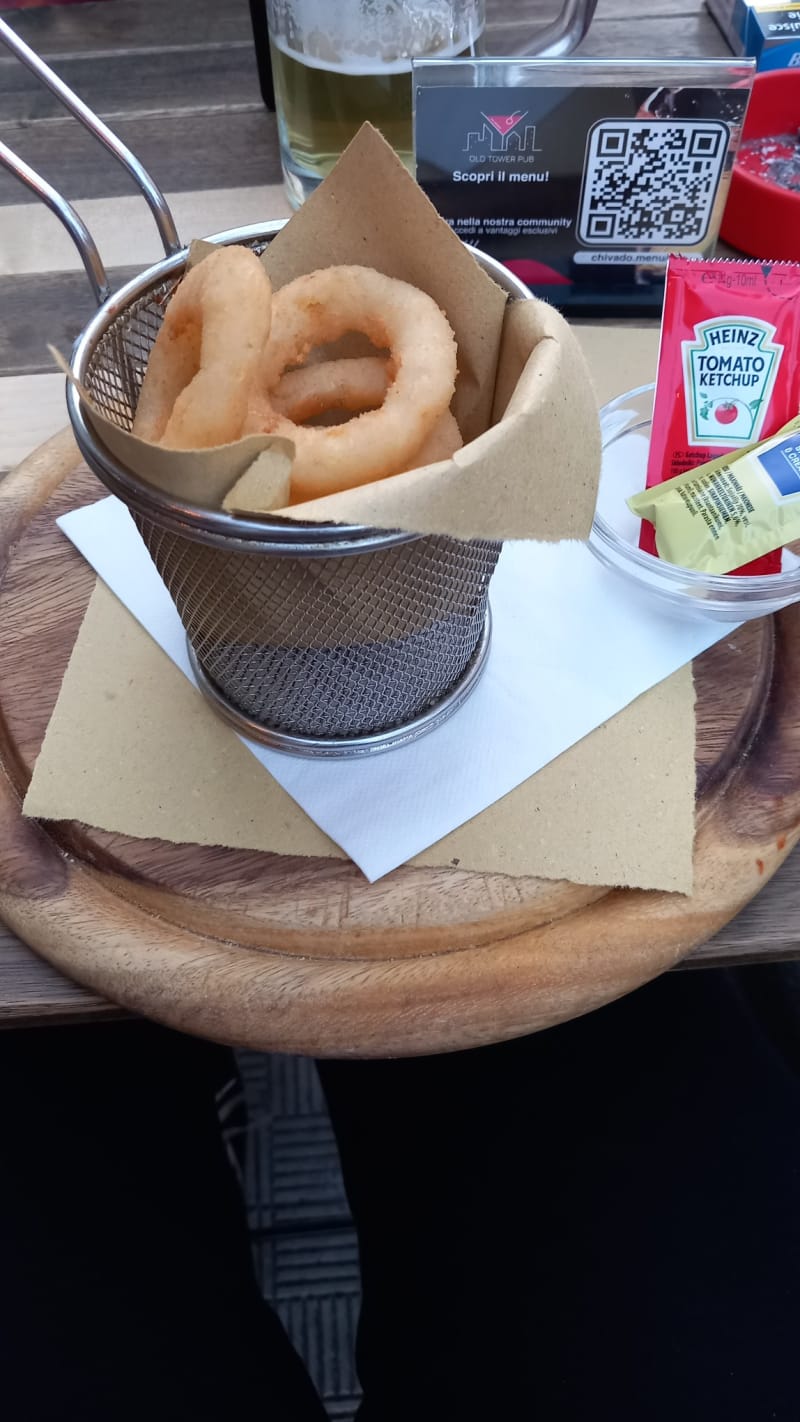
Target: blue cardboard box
768,31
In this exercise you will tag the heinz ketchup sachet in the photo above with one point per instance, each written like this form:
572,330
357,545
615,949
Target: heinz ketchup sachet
728,368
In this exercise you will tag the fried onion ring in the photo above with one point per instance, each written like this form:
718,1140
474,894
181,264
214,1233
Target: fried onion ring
443,441
206,355
356,384
319,308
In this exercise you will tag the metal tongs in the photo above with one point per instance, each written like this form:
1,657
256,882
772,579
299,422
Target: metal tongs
64,210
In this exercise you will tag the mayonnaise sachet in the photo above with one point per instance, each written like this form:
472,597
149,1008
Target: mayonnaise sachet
730,511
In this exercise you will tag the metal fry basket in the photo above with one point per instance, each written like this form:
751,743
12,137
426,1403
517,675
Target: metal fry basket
320,639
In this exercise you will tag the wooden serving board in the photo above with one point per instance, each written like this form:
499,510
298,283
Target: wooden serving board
304,955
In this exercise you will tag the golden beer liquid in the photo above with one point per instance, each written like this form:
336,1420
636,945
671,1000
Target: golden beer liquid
321,107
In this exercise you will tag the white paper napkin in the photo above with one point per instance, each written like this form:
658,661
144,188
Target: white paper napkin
571,646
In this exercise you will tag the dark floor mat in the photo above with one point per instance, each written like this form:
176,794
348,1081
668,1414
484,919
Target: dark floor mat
303,1240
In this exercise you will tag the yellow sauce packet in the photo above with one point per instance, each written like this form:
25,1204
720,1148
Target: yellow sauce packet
735,508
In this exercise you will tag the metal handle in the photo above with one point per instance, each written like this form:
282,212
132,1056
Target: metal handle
561,36
66,213
64,210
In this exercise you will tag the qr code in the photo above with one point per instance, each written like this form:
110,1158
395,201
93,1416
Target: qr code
650,183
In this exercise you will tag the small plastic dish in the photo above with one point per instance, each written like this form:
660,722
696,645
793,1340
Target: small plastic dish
614,539
761,217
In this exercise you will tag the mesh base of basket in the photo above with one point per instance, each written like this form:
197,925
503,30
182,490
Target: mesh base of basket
330,647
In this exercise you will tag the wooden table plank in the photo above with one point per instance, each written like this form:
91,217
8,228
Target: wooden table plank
661,37
32,408
766,931
55,31
33,994
203,151
624,10
191,79
123,227
45,309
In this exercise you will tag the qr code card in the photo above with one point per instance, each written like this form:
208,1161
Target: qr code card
650,182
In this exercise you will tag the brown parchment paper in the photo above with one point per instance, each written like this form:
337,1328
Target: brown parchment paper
532,474
132,748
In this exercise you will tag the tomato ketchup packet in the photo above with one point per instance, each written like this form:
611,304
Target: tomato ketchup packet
728,368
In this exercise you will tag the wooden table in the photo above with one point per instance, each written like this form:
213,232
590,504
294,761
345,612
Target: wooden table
194,115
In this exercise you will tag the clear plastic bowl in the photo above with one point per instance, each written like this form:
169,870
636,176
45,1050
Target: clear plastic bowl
614,539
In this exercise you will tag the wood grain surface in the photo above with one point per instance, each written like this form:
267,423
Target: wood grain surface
304,955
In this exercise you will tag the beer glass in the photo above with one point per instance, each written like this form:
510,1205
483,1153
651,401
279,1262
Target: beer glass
337,63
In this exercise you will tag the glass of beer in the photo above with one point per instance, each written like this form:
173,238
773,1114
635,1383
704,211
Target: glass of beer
336,65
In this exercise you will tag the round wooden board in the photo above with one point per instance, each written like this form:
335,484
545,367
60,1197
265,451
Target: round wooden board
306,956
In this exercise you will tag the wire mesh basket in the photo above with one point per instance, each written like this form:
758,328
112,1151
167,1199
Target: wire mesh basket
311,636
330,648
316,638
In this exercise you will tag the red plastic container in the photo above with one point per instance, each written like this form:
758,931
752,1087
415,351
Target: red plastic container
761,218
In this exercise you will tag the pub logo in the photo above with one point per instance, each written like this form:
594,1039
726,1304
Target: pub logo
502,133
